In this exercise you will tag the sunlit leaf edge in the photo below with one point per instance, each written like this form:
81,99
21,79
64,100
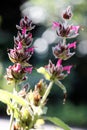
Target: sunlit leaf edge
6,96
57,122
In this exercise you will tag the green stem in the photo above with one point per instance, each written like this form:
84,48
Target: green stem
11,121
15,86
57,82
12,114
33,122
64,40
47,92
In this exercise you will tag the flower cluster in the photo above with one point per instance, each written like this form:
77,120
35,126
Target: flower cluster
27,113
57,71
65,31
62,51
21,53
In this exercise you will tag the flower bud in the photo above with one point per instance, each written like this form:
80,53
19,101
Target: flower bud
20,55
62,51
25,25
65,30
15,73
57,71
37,98
41,87
25,114
25,40
67,14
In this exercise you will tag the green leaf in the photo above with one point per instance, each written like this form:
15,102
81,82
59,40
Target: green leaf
43,71
6,97
58,122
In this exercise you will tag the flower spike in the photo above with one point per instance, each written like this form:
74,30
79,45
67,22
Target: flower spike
25,25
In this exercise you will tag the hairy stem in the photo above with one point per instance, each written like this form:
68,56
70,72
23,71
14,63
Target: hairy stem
12,113
57,82
47,92
11,121
64,40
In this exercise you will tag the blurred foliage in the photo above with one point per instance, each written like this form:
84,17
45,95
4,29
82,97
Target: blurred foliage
71,114
54,8
0,20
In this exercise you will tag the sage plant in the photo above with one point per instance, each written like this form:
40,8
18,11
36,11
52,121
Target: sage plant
62,51
26,107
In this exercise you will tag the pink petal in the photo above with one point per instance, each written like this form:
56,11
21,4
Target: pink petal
75,28
19,46
59,62
17,67
24,31
28,69
30,49
12,51
55,25
67,68
30,35
72,45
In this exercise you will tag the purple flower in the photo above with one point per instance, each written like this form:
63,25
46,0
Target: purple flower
25,40
20,54
55,25
62,51
16,68
25,25
28,69
72,45
65,68
67,14
30,50
65,30
75,29
57,71
17,73
59,62
19,47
